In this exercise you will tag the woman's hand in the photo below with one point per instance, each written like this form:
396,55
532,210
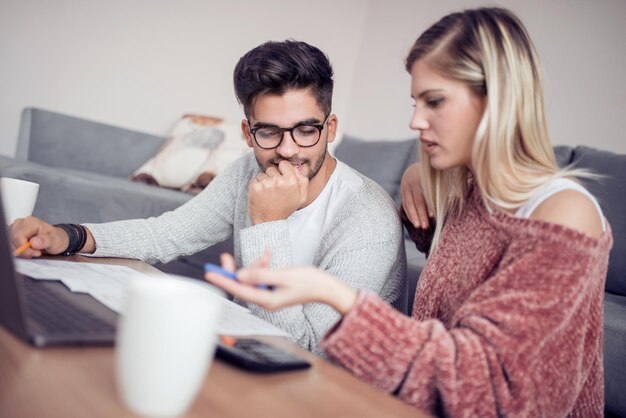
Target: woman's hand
413,200
287,286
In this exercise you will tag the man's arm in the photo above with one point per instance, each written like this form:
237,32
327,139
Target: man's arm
364,255
201,222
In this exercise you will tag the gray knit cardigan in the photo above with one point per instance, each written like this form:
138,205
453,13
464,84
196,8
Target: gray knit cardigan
364,246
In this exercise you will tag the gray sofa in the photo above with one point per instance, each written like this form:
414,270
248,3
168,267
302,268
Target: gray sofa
611,193
83,168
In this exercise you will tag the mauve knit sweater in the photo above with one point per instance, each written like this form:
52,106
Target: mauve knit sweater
507,321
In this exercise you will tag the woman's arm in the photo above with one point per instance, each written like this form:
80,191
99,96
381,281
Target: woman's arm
289,286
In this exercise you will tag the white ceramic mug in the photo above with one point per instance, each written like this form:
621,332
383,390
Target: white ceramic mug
18,198
166,340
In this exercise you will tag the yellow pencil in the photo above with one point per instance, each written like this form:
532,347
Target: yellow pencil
21,249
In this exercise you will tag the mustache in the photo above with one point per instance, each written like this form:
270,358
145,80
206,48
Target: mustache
294,161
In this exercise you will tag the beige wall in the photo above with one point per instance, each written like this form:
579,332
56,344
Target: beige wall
582,46
141,64
144,63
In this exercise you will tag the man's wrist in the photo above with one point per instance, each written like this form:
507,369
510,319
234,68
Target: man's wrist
76,235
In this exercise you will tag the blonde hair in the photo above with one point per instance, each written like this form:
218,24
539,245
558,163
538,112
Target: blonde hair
490,50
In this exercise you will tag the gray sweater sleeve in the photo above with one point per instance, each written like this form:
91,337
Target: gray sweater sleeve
364,247
203,221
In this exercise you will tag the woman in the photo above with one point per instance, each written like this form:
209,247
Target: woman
507,317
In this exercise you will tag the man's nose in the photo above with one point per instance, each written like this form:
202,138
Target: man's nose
288,146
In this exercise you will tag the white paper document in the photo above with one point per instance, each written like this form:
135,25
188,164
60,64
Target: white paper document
108,284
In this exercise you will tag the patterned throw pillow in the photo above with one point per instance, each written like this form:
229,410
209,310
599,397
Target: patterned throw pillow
198,148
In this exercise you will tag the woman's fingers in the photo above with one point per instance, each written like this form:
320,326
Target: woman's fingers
422,210
413,200
291,286
267,299
228,262
234,286
409,186
264,276
264,260
410,208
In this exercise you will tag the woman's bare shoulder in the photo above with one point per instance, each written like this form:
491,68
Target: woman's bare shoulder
573,209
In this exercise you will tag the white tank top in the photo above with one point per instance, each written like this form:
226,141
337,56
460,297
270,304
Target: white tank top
551,188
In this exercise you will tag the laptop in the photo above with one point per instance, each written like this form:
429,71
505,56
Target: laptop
45,312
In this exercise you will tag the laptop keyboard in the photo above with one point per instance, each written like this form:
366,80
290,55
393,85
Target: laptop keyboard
55,315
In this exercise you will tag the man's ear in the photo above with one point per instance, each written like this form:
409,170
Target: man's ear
245,128
332,123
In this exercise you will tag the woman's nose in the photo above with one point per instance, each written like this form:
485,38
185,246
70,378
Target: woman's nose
418,121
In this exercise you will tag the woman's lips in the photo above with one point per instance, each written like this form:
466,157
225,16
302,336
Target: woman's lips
429,146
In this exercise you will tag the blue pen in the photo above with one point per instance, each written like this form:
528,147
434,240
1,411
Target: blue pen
209,267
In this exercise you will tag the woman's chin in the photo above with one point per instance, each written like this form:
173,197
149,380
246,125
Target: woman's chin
438,164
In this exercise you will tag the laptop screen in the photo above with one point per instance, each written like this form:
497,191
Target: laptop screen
11,314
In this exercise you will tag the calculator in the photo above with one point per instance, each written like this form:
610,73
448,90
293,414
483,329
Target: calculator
257,356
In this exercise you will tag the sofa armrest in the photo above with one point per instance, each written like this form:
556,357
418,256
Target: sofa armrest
58,140
563,155
76,196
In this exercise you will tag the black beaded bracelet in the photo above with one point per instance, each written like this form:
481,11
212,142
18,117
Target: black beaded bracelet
83,236
77,235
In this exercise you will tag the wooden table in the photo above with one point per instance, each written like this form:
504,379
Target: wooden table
80,382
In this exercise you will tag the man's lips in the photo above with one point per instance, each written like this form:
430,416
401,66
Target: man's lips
298,165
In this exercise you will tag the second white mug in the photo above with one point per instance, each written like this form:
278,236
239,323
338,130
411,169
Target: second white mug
166,340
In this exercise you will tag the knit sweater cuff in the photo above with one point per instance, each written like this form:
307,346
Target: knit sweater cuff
106,237
275,235
362,338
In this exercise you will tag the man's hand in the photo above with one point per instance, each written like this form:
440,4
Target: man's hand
276,194
44,238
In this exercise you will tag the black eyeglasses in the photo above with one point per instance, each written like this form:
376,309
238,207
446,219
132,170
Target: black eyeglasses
304,135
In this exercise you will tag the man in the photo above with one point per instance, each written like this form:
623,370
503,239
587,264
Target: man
290,195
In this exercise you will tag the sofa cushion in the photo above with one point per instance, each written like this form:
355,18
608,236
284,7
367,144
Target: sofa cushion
382,161
610,191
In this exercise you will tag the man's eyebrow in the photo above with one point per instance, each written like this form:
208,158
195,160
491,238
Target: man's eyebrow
425,92
263,125
309,121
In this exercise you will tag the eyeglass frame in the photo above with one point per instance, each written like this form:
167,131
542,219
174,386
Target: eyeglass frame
320,128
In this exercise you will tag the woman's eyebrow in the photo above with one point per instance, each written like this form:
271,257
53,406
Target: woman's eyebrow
425,92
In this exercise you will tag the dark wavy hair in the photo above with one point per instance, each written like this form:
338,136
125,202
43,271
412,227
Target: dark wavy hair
276,67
